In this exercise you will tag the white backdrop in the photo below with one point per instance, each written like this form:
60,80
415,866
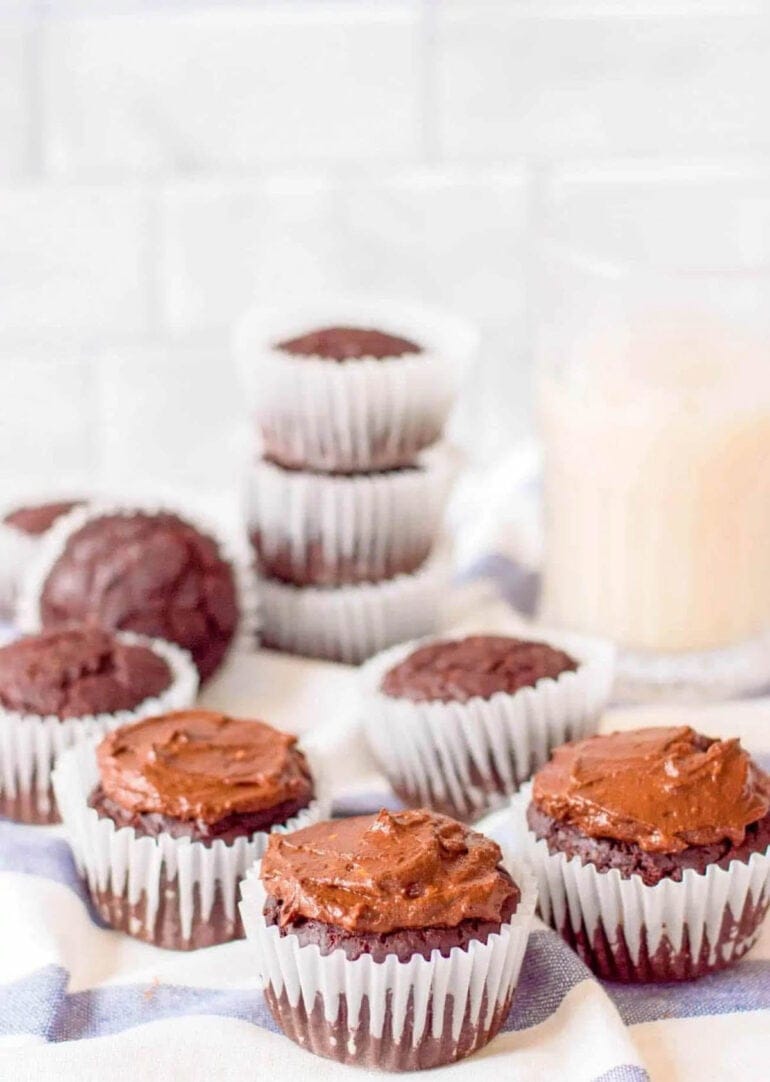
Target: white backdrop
161,164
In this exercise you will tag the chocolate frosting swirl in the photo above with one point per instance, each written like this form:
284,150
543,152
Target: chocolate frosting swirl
663,789
379,873
199,764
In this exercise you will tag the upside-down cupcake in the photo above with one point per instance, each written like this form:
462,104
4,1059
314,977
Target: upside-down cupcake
354,386
652,851
458,724
316,529
22,528
151,571
73,683
391,940
165,816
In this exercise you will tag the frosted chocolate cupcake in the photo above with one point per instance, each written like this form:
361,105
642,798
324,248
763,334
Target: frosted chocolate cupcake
21,530
350,387
660,839
391,940
149,571
459,724
166,816
72,683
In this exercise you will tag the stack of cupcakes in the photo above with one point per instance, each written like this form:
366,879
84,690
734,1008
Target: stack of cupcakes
346,500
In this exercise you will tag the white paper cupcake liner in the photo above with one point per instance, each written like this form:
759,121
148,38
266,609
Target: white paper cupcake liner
465,758
18,549
401,1004
331,529
350,623
630,931
30,743
234,550
146,873
356,415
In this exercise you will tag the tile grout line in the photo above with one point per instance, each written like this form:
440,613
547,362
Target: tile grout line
34,45
428,90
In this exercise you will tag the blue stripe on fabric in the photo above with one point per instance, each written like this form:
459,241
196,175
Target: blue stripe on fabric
744,987
627,1072
517,584
104,1011
39,1004
32,851
30,1005
550,970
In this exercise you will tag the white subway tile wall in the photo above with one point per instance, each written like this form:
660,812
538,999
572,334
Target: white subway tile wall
16,68
74,260
572,83
163,165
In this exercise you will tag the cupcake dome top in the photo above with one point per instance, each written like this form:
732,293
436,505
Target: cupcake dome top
202,765
77,672
380,873
35,519
662,789
348,344
478,666
150,572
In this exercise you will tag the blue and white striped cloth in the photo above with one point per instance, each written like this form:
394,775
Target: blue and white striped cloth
79,1001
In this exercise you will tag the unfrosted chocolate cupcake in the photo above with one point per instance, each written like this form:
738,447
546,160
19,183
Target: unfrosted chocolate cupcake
69,683
341,910
203,791
22,528
151,572
348,344
674,825
459,724
351,387
479,666
315,529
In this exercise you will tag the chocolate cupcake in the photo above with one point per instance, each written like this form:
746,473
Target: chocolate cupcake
65,685
458,724
314,529
350,623
21,530
349,344
164,818
351,387
391,941
148,571
652,851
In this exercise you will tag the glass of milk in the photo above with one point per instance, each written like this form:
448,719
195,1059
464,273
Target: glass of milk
653,396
